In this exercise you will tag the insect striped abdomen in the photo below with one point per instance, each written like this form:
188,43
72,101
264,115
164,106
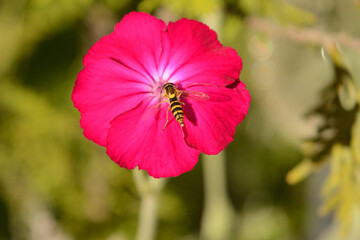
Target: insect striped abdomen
177,110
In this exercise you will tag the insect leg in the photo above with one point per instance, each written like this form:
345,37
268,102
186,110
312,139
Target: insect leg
167,118
158,104
178,94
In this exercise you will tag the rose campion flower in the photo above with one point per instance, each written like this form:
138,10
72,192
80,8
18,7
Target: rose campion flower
123,107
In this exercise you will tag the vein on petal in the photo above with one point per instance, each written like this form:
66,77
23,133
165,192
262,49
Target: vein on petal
135,70
183,64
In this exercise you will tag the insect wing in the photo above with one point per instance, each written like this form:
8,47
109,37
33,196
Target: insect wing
198,96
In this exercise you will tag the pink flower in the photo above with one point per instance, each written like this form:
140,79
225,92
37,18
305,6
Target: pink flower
119,91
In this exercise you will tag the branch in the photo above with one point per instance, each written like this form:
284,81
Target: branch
303,35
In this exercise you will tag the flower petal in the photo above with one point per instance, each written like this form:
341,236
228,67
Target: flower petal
133,141
210,125
192,54
103,90
135,42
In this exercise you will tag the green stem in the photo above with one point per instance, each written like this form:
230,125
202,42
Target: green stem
149,190
218,216
147,218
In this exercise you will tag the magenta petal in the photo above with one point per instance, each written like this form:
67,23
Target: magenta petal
121,85
133,141
103,90
135,42
210,125
192,54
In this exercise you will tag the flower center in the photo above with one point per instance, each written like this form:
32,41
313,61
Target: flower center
157,89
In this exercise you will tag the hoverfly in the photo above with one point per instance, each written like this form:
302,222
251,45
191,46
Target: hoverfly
174,104
171,94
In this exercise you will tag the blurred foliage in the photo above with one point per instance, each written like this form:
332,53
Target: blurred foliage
336,144
341,190
186,8
278,10
55,184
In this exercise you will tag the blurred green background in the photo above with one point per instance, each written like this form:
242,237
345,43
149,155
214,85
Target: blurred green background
56,184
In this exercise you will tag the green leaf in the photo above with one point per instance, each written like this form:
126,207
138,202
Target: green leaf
300,172
355,140
347,93
329,205
341,191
